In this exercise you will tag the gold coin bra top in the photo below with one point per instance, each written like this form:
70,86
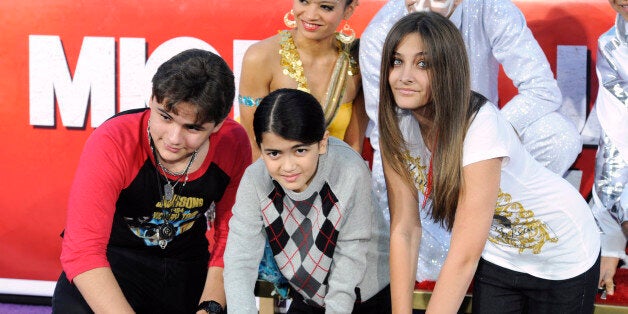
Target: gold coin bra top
293,67
291,61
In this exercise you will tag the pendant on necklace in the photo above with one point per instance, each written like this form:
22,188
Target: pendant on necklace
168,191
163,244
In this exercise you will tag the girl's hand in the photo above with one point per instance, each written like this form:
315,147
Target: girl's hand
608,267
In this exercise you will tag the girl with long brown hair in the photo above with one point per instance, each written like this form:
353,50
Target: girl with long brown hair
451,158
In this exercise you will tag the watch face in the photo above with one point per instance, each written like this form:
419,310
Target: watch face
214,307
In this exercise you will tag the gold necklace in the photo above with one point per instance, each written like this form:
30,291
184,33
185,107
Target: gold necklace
292,65
291,61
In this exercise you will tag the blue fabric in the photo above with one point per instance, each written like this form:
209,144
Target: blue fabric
269,271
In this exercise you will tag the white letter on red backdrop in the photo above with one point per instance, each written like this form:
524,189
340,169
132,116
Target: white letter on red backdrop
132,67
49,76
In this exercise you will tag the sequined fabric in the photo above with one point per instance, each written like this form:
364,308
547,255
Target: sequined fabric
292,65
611,175
434,238
550,137
612,69
291,61
610,198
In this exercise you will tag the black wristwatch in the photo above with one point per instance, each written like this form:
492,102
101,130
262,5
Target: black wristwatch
211,307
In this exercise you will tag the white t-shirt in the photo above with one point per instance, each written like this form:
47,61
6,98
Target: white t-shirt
542,225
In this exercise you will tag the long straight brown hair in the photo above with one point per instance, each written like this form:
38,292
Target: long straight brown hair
453,103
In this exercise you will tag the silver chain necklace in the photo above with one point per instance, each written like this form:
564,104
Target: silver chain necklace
166,230
169,187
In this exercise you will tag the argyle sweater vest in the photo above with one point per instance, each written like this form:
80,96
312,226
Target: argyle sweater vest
302,236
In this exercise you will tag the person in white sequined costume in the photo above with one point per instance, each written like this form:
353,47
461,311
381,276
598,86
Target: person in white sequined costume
495,32
610,198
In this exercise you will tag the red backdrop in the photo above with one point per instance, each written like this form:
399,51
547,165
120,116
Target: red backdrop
37,161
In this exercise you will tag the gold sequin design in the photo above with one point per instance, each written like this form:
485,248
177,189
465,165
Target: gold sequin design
291,61
516,227
292,65
417,169
353,69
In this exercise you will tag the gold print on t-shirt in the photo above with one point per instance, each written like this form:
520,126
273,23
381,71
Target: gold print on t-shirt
417,169
181,210
516,227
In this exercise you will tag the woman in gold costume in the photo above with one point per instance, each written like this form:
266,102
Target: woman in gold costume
313,57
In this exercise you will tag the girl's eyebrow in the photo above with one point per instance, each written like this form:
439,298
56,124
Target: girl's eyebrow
326,2
420,53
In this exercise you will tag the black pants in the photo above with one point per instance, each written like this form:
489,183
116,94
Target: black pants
500,290
377,304
150,285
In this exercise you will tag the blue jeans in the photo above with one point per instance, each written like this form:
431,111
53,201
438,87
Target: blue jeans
500,290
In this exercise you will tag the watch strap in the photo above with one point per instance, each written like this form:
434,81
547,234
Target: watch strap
211,307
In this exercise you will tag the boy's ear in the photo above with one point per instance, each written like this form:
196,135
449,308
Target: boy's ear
152,100
322,145
218,126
